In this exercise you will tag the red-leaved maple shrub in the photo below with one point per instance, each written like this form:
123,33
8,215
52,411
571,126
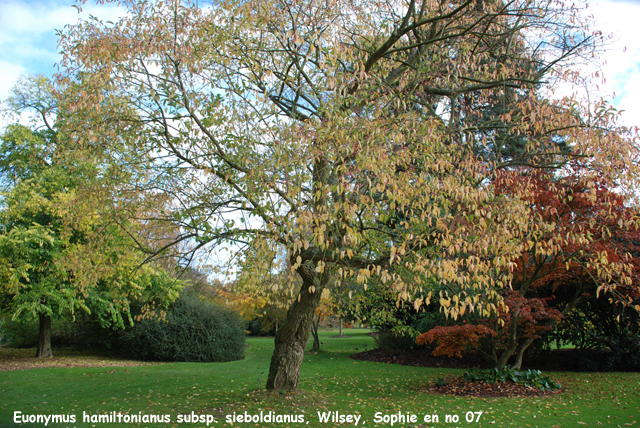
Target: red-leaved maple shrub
453,340
583,244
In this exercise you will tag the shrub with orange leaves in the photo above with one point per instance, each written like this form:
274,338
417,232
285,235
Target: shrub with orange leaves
496,339
453,340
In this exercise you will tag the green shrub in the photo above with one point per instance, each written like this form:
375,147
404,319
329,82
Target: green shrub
87,334
428,321
403,337
624,355
575,329
533,378
14,334
390,340
256,327
18,334
193,330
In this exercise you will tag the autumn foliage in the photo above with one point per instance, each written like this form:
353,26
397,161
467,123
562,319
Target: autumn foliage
454,340
493,334
581,251
532,317
362,140
590,231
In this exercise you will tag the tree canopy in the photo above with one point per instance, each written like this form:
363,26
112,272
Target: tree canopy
60,253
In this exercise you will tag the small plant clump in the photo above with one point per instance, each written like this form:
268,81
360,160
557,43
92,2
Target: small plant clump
533,378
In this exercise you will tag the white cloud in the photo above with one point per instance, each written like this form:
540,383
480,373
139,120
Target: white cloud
43,18
621,62
629,101
615,75
28,42
9,73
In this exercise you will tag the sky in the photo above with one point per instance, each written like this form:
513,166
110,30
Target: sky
28,41
28,44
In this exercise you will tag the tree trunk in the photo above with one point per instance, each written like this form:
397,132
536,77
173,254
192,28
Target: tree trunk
44,337
513,343
523,347
292,337
340,322
314,332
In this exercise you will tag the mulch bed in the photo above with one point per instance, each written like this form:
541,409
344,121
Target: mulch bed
417,358
484,389
559,360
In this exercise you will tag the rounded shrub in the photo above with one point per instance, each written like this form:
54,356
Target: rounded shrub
193,330
428,320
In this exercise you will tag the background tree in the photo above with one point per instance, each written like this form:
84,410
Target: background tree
325,309
560,271
59,255
266,278
337,135
397,323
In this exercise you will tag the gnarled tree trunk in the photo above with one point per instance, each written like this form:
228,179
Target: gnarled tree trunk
314,332
292,337
44,337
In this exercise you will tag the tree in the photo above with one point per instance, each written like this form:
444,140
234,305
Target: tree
497,338
266,278
325,309
380,309
591,222
340,134
593,230
585,248
58,254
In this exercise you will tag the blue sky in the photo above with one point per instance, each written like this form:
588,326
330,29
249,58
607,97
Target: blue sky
28,44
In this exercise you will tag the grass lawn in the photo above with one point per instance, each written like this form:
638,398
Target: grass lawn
329,382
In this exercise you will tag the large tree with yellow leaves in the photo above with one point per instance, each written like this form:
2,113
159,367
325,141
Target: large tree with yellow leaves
359,138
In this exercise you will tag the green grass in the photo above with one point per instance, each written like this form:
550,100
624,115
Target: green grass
329,381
